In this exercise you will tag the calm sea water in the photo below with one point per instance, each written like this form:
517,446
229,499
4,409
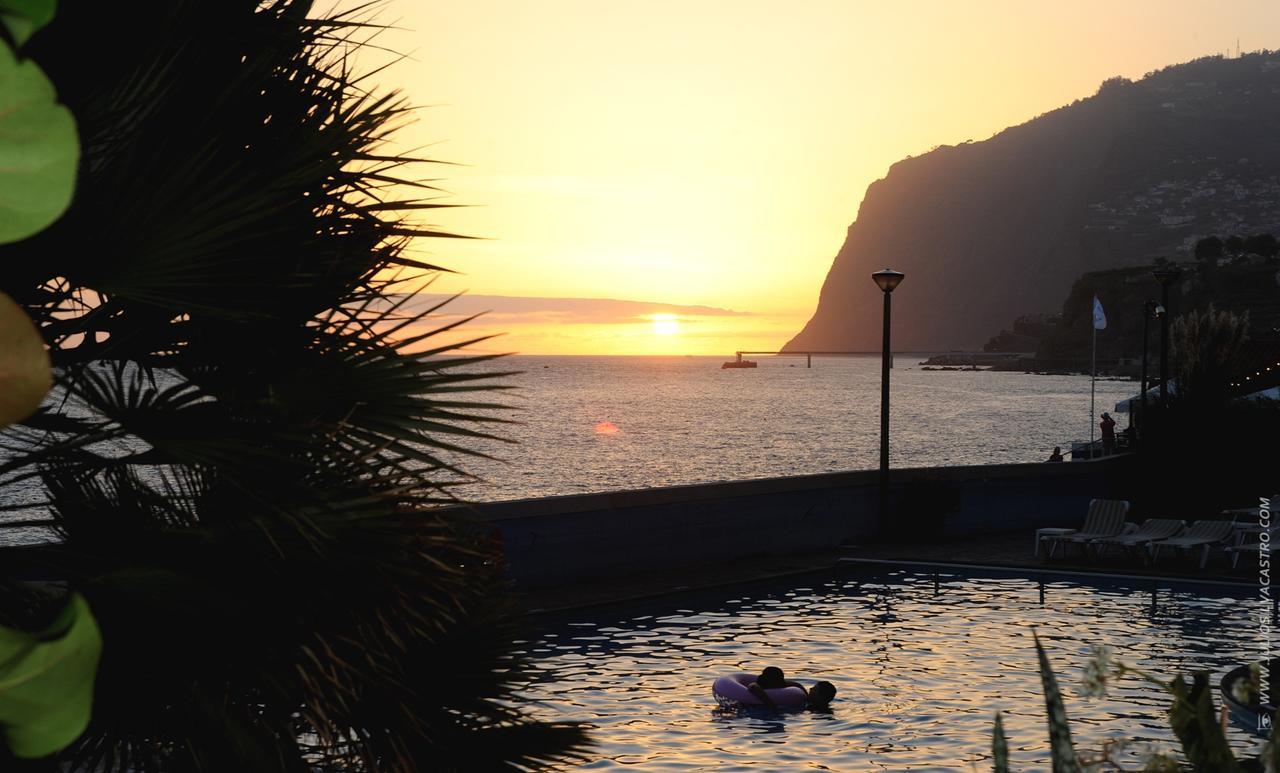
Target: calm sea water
684,420
921,662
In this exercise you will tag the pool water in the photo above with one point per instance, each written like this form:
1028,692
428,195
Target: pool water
922,661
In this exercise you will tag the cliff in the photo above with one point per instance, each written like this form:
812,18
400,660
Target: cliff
986,231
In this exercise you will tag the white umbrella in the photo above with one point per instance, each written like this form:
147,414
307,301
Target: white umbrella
1153,396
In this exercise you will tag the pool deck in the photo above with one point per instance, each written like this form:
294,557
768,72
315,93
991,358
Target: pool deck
1010,550
1014,550
601,592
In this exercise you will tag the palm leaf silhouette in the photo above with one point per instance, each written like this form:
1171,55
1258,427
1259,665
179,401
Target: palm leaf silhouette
251,429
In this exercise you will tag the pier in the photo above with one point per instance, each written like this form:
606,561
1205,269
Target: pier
808,355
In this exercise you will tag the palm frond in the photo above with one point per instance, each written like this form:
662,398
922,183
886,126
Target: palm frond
253,429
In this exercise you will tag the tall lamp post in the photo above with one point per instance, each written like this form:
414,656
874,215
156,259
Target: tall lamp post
886,280
1166,277
1150,310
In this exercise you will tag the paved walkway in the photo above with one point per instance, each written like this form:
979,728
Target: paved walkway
1015,549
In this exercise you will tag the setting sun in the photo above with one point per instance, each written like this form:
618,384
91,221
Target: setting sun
665,324
692,212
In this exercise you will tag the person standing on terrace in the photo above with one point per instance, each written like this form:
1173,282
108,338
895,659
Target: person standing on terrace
1108,434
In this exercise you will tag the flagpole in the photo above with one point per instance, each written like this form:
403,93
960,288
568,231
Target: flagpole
1093,380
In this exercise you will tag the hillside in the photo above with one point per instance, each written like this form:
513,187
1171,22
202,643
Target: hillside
1245,286
987,231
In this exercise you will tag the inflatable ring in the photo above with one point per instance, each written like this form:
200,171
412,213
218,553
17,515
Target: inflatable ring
731,692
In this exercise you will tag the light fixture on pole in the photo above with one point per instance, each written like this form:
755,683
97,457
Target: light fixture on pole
886,280
1150,310
1165,276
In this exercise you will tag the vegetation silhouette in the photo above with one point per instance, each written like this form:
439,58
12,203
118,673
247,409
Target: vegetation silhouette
251,436
1204,452
1207,342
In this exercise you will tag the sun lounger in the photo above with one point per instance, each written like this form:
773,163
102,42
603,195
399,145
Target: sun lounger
1235,551
1201,534
1104,519
1248,513
1151,530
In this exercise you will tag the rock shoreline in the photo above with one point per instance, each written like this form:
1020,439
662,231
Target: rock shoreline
1029,363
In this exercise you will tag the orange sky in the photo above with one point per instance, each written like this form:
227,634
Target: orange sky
712,152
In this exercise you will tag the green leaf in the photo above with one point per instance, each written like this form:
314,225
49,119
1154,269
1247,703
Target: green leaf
1064,754
999,748
39,150
25,17
1196,724
46,681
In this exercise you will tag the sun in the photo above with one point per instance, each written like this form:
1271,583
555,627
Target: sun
665,324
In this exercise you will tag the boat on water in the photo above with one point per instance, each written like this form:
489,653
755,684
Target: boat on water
738,363
1253,714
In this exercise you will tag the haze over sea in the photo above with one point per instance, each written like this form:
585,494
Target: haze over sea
683,420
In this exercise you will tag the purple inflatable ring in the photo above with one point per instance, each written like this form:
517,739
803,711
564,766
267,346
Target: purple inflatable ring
731,692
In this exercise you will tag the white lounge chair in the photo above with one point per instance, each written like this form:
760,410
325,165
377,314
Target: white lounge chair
1201,534
1248,513
1151,530
1104,519
1235,551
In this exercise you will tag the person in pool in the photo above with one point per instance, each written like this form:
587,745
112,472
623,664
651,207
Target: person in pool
817,697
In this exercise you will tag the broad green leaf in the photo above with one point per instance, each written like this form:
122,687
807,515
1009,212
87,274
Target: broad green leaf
46,681
1195,721
39,150
25,375
1064,753
25,17
999,748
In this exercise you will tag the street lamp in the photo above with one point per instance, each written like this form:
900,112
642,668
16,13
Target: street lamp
886,280
1165,276
1150,310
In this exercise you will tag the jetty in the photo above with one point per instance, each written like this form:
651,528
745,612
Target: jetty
809,354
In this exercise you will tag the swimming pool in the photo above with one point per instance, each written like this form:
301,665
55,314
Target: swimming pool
922,661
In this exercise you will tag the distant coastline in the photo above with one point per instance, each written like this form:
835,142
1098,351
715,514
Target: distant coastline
937,359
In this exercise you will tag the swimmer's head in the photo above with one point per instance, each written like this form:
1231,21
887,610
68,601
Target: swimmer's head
771,678
821,694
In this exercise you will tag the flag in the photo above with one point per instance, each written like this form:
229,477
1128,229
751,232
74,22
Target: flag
1099,316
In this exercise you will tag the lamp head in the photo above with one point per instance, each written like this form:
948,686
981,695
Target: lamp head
888,279
1165,274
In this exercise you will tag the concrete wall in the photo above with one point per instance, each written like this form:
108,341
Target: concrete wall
576,538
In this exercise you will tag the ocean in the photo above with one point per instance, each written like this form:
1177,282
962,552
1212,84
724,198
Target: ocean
590,424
